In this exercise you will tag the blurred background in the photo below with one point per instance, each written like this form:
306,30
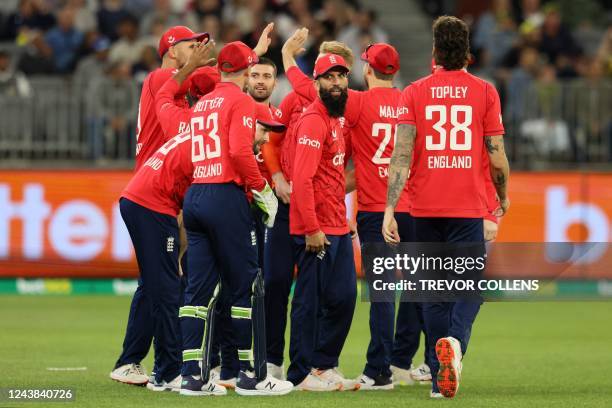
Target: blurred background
71,72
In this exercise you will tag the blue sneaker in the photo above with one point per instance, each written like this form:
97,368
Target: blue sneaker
192,385
247,384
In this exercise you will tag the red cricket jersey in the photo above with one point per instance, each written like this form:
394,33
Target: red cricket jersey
149,134
318,175
291,109
371,117
261,161
453,111
222,129
161,183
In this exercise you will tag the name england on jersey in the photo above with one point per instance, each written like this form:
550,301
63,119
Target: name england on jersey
449,162
210,170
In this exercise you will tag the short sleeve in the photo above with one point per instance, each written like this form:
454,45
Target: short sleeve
493,123
405,107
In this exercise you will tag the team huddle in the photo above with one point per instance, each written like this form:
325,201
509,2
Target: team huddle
232,196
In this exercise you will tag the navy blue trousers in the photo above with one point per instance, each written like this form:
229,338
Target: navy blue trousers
154,308
222,247
279,265
383,350
322,307
224,352
443,319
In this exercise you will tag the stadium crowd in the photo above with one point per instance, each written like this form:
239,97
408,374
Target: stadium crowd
550,61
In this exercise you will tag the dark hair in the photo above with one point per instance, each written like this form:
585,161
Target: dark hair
267,61
451,42
382,77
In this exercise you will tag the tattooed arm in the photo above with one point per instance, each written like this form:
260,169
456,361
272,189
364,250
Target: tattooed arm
398,174
500,169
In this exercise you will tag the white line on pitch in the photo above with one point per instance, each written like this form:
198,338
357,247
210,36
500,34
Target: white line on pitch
66,368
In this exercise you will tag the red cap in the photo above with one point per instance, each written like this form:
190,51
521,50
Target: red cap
236,56
177,34
202,81
382,57
328,61
264,117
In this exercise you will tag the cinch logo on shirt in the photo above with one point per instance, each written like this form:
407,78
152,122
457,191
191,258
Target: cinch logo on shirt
338,159
304,140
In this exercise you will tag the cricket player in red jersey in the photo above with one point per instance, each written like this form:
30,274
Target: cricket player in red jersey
279,262
325,291
154,195
220,225
371,118
446,119
175,48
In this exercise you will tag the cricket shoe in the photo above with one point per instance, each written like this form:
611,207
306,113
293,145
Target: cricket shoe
334,375
421,374
133,374
215,376
435,395
276,371
448,351
174,385
314,382
192,385
380,382
248,384
401,376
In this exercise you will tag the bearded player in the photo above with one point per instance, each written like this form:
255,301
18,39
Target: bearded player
371,120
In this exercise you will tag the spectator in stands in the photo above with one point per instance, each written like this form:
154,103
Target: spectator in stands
93,65
32,15
556,38
295,15
494,34
85,19
161,12
110,13
519,82
546,130
114,99
12,82
604,53
138,7
208,7
211,24
364,30
149,61
129,46
531,14
65,41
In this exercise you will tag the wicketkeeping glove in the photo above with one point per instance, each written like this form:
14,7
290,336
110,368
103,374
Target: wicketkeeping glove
268,203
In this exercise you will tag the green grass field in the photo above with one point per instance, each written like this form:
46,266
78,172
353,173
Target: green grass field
521,355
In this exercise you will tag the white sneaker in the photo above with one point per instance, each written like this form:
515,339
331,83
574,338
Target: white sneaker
401,376
435,395
448,351
276,371
215,376
133,374
421,374
174,385
372,384
248,384
192,385
314,382
335,376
